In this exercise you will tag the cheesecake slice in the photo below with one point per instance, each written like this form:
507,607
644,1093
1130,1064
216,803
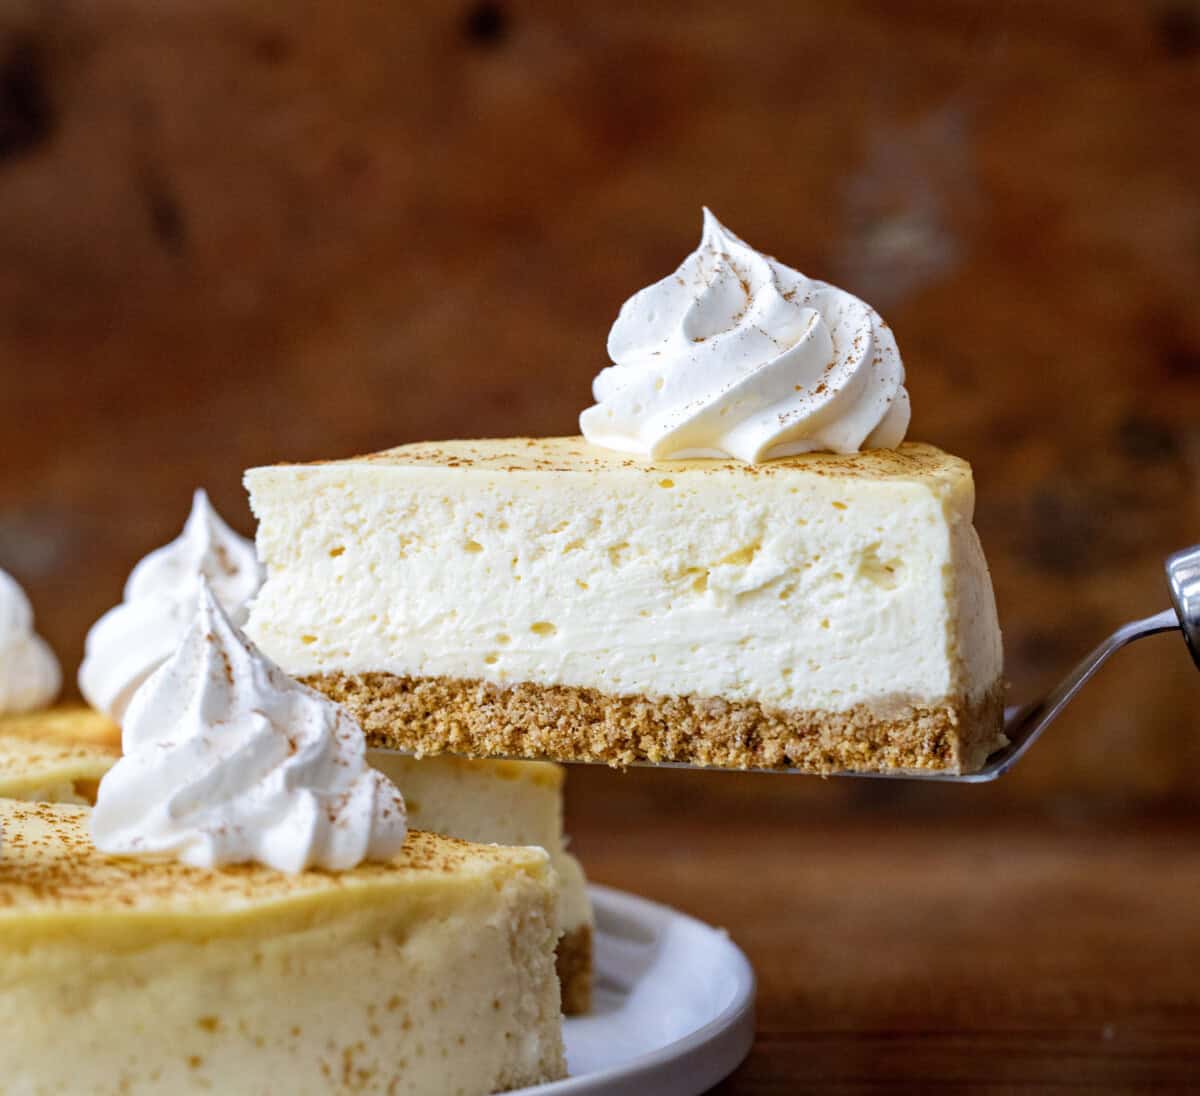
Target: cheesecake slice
57,755
428,974
508,803
551,598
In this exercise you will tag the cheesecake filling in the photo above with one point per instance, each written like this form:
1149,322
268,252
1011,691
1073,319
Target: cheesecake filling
228,760
30,675
736,353
129,642
804,591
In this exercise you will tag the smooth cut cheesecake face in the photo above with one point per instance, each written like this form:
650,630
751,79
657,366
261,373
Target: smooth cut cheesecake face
428,974
505,803
553,561
850,586
58,755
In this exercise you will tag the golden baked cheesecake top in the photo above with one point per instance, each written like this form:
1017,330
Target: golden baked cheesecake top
66,724
572,454
53,879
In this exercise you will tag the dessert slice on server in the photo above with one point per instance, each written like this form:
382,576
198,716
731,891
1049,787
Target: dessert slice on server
740,564
546,598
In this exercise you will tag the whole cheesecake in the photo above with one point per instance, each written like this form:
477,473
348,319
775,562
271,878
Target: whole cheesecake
554,598
427,974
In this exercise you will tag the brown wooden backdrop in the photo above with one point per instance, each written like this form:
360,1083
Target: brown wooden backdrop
235,232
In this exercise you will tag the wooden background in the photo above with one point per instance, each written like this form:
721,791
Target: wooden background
239,232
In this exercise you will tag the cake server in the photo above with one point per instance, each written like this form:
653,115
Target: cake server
1024,725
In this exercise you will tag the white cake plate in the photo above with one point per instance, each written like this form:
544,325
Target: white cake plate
673,1007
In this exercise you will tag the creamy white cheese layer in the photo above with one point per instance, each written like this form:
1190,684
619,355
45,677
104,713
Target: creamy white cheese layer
817,581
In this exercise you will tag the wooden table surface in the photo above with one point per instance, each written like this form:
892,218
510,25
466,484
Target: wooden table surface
902,950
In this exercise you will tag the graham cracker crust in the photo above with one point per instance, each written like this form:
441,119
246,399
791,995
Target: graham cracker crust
574,962
432,715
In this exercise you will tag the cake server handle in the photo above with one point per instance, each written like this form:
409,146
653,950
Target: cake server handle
1024,725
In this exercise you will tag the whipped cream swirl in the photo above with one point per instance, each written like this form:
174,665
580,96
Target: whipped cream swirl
227,760
30,676
129,642
737,354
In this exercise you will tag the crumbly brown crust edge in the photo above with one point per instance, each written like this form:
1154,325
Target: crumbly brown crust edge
574,962
431,715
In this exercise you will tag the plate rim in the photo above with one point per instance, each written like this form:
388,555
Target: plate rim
732,1029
